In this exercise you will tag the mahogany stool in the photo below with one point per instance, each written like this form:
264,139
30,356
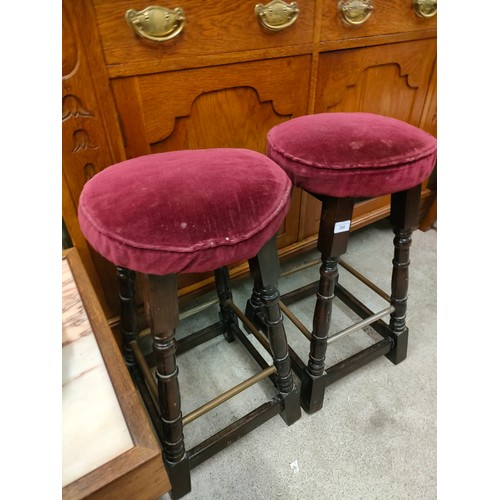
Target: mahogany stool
339,158
189,212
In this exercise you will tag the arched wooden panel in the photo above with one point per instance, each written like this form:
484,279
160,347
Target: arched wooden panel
233,117
153,106
391,80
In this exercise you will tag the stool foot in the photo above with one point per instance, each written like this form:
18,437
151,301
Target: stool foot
180,477
291,411
400,349
312,392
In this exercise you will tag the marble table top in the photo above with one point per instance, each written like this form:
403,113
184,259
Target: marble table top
94,430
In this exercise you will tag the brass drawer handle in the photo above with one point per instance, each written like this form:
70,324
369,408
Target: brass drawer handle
425,8
277,15
158,24
354,12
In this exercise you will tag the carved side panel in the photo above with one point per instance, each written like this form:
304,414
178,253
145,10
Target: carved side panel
90,133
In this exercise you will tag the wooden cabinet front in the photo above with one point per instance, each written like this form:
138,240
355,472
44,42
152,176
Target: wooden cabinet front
385,18
224,81
221,106
208,28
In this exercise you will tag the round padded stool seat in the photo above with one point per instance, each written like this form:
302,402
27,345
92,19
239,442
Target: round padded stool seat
352,154
184,211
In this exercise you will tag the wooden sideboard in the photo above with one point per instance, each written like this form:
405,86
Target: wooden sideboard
224,81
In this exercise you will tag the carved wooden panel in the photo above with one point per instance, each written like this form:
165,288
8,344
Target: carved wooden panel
237,118
90,133
390,80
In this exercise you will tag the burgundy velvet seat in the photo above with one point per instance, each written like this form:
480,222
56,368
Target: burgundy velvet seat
192,211
352,154
184,211
340,158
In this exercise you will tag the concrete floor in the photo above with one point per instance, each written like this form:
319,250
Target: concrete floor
375,437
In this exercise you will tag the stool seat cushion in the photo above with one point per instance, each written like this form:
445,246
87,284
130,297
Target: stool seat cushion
184,211
352,154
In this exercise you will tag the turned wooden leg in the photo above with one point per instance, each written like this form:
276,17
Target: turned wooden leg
322,314
162,309
266,272
404,217
333,237
254,307
224,293
128,313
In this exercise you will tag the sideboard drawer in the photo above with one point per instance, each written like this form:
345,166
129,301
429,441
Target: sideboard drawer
208,28
397,16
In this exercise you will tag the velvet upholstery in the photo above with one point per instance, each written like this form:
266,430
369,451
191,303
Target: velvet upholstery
184,211
352,154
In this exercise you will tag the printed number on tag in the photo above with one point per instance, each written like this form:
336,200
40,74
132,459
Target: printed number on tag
341,227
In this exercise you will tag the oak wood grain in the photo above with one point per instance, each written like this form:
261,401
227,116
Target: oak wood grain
396,16
209,28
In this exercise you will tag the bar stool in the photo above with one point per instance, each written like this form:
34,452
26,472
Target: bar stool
338,158
189,212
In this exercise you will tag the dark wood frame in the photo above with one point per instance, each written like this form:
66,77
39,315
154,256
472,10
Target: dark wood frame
162,397
314,375
139,472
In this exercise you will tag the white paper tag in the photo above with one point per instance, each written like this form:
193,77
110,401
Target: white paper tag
342,227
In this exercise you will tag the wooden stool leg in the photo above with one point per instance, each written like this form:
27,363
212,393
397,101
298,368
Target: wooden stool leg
254,306
266,269
333,238
128,313
404,217
224,293
162,308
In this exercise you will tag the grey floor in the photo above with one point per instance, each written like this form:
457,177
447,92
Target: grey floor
375,437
